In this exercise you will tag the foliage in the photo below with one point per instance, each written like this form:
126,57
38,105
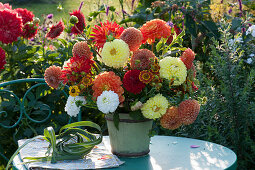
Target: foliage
227,116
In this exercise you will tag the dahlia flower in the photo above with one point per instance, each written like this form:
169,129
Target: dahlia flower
187,58
138,105
115,54
53,76
153,29
173,69
2,58
171,120
81,24
6,5
188,111
155,107
71,108
78,66
29,29
142,59
132,83
108,81
100,33
108,101
55,30
133,37
10,26
81,49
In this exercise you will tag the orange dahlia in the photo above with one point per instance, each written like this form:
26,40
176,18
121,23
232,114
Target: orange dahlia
188,111
10,26
133,37
55,30
187,58
81,49
52,76
153,29
146,76
100,33
171,120
81,24
108,81
2,58
142,59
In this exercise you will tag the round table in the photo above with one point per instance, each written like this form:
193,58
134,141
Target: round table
177,153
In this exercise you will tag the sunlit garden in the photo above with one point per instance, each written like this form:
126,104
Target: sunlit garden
181,68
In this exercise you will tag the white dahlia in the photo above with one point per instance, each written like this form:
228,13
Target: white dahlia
108,101
71,108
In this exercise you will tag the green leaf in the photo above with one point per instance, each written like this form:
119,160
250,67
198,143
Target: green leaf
116,120
136,115
159,46
190,25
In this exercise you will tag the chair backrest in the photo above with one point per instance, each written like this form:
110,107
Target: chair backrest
27,106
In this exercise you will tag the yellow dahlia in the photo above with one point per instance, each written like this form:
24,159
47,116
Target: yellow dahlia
74,91
173,69
155,107
115,54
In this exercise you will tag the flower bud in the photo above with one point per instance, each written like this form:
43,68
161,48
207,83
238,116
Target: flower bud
74,19
90,19
36,20
148,10
82,86
137,106
175,7
59,8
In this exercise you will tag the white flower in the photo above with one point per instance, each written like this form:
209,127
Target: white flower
138,105
249,61
108,101
252,55
251,30
71,108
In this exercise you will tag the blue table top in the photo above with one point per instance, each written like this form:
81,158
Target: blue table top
168,152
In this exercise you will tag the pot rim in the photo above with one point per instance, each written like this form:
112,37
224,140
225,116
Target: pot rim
110,118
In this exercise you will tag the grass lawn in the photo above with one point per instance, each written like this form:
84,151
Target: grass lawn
44,7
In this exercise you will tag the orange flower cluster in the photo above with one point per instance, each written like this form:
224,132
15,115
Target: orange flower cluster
185,114
108,81
153,29
133,37
81,49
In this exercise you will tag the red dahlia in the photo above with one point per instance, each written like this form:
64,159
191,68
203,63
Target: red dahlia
10,26
132,83
81,24
2,58
100,33
55,30
29,30
76,65
26,15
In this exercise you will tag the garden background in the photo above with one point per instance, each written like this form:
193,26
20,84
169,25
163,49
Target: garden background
217,31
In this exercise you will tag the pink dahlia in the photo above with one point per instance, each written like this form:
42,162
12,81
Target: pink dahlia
53,76
133,37
142,59
26,15
81,49
188,57
188,111
55,30
3,6
81,24
2,58
132,83
10,26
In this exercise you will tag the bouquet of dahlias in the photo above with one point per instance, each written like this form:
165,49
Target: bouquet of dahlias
145,72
